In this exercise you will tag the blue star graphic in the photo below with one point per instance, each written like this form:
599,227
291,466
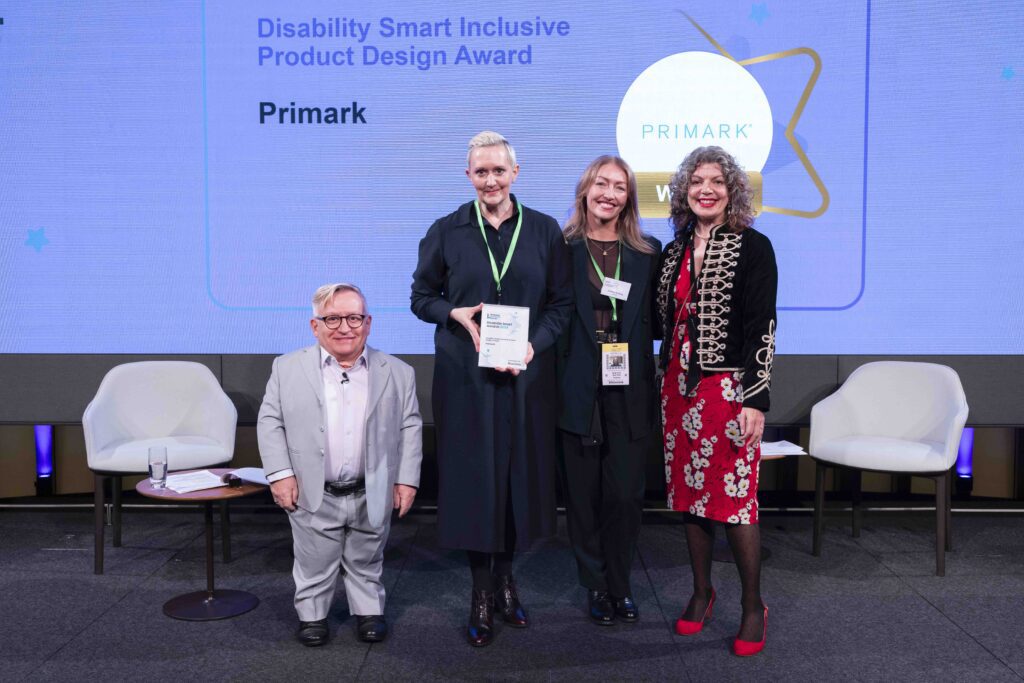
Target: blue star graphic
36,239
759,12
1008,73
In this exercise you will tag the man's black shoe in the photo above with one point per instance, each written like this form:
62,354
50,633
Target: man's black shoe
312,633
372,628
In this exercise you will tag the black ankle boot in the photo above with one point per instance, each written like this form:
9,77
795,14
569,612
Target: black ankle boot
506,600
602,611
625,609
480,630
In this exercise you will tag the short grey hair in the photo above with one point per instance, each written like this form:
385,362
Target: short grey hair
328,292
489,138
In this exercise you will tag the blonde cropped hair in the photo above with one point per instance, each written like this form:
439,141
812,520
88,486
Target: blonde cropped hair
488,138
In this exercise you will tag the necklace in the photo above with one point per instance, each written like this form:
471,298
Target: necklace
604,252
703,237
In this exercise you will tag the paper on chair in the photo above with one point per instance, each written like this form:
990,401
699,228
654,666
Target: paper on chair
194,481
781,448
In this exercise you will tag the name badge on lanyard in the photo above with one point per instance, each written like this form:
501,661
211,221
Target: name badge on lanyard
614,365
615,289
612,287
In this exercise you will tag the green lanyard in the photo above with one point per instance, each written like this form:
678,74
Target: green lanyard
618,270
511,247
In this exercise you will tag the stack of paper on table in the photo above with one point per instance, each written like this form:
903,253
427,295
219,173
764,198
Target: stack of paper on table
188,482
781,448
252,475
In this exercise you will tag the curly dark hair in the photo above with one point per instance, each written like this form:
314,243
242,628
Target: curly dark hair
739,212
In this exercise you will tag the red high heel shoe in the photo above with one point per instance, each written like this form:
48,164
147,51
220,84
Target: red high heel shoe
689,628
747,648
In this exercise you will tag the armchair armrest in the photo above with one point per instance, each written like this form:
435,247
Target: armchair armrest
830,419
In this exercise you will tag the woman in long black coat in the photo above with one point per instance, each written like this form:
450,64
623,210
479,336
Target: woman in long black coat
606,429
495,430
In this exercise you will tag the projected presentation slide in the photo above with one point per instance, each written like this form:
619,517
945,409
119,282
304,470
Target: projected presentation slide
178,177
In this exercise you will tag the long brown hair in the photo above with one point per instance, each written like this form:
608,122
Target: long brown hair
628,224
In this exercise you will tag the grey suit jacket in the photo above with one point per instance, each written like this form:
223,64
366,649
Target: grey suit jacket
292,429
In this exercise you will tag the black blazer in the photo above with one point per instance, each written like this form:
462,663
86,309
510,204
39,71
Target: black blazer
579,355
735,294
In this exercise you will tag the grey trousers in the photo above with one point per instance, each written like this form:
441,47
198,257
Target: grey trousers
338,534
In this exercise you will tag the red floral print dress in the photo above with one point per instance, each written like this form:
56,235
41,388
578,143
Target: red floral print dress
708,470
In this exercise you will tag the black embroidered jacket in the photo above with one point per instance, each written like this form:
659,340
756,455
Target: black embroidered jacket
735,294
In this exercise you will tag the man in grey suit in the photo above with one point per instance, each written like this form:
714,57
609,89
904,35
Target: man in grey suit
339,436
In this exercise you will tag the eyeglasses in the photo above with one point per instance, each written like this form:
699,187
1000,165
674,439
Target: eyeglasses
333,322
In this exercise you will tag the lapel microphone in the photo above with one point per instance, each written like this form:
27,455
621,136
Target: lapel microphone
344,377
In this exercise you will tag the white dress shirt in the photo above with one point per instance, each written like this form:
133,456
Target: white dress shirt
345,394
346,391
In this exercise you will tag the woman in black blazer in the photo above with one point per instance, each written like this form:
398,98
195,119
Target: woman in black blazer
606,416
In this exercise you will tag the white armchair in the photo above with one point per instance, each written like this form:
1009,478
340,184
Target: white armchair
895,417
176,404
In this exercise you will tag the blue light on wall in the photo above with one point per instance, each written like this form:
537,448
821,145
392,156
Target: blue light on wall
44,451
965,455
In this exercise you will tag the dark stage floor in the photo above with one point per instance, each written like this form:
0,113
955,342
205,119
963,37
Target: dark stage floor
869,609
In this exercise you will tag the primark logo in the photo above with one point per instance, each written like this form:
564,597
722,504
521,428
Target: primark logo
660,122
695,131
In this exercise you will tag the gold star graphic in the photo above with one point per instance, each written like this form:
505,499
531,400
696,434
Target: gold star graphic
793,120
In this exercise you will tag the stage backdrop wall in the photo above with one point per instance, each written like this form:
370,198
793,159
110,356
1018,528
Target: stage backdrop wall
178,177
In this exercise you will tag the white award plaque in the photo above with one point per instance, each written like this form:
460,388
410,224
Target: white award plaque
504,333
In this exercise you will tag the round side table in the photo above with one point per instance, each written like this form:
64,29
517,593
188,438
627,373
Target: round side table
212,603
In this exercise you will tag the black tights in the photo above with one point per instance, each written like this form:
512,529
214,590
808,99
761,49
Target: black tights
745,542
485,566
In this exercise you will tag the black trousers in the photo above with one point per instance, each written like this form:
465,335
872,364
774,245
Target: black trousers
604,490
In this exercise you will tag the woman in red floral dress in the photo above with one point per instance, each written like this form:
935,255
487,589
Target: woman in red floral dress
716,301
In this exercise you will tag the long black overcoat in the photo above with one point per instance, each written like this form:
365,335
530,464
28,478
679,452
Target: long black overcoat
496,433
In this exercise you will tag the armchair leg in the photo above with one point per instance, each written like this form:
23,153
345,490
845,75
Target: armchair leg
941,503
115,503
819,507
949,510
225,531
855,496
98,514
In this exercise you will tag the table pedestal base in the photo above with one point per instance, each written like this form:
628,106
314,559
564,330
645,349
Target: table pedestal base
202,606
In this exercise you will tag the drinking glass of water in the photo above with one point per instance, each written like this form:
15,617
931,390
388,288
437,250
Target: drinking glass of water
158,466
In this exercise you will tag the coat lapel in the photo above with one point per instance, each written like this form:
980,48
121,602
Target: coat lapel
633,272
380,375
581,283
311,368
